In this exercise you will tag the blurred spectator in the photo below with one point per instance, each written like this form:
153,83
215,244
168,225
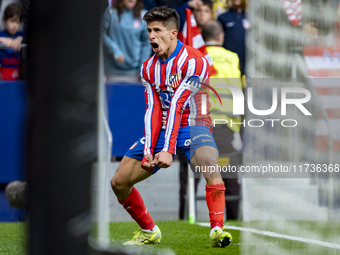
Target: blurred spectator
235,25
11,39
203,13
218,7
25,6
3,5
125,38
16,193
227,137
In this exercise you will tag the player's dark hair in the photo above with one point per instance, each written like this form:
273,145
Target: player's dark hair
208,3
119,6
211,30
13,10
163,14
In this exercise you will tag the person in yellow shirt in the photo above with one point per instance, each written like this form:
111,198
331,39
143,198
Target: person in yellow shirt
226,64
227,136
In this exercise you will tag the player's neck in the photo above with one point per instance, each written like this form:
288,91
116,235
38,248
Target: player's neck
170,50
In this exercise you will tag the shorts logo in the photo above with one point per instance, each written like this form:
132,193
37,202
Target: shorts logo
142,141
187,142
198,136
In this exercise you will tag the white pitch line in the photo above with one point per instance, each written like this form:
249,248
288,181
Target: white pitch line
273,234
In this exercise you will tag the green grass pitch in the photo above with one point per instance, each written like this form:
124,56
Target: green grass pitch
13,238
184,238
180,237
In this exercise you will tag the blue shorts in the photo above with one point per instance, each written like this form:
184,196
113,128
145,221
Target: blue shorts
189,139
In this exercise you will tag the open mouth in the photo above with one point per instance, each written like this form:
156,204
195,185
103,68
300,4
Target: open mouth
154,46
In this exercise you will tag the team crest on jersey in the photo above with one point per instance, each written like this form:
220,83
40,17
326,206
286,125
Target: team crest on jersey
174,81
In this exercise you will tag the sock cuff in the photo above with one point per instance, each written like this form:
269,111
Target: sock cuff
213,230
129,196
153,230
219,186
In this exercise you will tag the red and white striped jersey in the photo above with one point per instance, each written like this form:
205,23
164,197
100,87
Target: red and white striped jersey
173,96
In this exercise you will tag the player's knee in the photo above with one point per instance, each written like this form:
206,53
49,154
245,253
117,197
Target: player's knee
209,161
116,185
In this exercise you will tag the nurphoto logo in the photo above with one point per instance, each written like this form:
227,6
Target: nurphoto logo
239,103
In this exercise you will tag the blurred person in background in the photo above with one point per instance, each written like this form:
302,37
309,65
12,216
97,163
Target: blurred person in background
16,193
125,39
11,39
203,13
3,5
226,64
235,24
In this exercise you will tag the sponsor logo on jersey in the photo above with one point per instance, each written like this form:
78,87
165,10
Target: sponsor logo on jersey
165,98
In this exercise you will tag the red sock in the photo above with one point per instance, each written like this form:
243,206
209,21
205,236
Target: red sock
134,205
216,202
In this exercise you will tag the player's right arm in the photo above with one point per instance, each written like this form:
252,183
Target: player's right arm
152,119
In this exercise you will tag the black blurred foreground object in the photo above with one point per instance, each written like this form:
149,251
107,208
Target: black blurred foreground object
63,75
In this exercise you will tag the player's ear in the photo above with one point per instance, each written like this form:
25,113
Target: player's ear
173,34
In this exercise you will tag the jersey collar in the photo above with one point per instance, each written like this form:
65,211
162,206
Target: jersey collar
174,54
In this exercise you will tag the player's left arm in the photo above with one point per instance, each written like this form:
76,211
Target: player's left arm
196,69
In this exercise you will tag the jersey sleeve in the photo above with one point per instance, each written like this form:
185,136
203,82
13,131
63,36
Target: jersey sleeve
194,72
153,115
